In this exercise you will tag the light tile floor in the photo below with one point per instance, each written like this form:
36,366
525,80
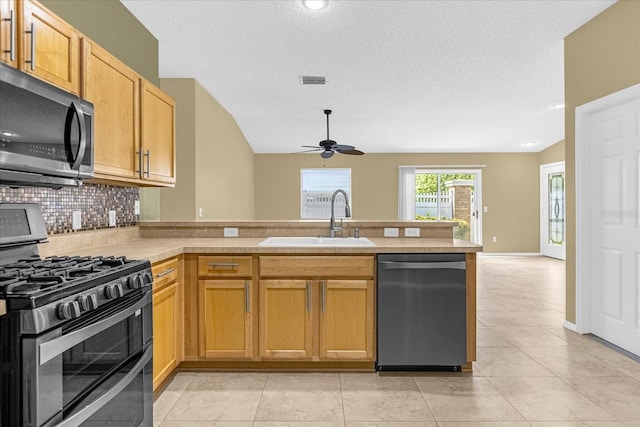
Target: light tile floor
530,372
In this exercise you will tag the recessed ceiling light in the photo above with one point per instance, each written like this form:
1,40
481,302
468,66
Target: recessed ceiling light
315,4
529,143
557,106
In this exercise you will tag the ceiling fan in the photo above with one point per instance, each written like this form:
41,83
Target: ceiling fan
329,147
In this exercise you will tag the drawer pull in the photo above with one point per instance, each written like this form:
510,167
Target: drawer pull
308,297
164,273
223,264
324,290
247,305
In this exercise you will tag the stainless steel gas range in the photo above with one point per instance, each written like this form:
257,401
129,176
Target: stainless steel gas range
75,333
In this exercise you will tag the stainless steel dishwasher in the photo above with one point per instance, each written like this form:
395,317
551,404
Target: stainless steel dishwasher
421,312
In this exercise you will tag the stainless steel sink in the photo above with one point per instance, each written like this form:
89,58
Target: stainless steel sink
317,241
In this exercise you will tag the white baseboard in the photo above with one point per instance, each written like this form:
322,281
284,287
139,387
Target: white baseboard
570,326
514,254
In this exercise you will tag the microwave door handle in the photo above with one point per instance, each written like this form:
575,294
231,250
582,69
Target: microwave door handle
57,346
79,113
79,417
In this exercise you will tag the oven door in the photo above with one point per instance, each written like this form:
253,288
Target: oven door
94,371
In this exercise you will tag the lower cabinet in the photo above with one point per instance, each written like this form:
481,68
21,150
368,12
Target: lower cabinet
226,321
226,304
286,319
316,308
346,319
167,320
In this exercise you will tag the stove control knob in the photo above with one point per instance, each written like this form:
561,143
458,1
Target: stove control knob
147,278
113,291
88,302
135,282
68,310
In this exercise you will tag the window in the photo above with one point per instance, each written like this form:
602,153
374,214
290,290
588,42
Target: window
316,188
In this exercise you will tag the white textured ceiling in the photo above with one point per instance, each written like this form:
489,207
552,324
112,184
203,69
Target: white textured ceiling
404,76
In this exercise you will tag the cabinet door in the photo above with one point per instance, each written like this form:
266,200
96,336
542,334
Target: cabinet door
346,319
9,32
113,88
226,308
286,319
50,47
157,135
165,312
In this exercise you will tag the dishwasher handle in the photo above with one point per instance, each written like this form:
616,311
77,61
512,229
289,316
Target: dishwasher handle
413,265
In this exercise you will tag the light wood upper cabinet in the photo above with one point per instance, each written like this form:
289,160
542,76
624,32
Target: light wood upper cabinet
114,90
346,319
286,319
9,32
50,48
158,147
167,320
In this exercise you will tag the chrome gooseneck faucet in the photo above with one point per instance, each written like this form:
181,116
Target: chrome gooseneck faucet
333,228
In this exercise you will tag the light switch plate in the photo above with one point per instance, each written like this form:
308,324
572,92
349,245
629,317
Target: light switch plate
230,232
411,232
76,220
391,232
112,218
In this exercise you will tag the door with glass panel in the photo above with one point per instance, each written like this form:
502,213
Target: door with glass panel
552,210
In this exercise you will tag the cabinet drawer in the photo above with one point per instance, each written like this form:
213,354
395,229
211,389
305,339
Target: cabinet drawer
317,266
164,273
224,266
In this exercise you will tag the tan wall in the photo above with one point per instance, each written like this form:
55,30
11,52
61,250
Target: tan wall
214,165
112,26
178,203
509,190
552,154
601,57
224,163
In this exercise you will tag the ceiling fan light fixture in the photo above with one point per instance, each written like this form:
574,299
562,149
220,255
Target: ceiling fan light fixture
326,154
315,4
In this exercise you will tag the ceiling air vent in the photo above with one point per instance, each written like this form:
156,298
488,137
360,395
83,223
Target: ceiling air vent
313,80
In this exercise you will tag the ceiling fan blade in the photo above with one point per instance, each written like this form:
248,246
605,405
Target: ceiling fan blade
342,147
312,146
308,151
356,152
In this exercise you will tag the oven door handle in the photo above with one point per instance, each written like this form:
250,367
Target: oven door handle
55,347
81,416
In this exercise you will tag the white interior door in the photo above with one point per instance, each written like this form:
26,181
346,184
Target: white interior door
608,181
552,210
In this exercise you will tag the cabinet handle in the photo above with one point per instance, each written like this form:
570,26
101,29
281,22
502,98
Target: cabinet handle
139,171
148,156
164,273
324,289
308,297
247,304
33,47
223,264
12,34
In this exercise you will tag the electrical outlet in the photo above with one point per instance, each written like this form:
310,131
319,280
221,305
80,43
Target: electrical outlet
136,207
112,218
494,239
411,232
391,232
230,232
486,209
76,220
200,212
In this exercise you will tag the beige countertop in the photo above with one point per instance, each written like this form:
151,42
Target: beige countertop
157,249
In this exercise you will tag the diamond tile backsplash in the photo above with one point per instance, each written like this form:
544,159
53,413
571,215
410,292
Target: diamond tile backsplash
93,201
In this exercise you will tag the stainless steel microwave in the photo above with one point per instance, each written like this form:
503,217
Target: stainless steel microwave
46,134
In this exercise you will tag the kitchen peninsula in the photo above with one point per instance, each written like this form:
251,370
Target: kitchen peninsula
231,303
